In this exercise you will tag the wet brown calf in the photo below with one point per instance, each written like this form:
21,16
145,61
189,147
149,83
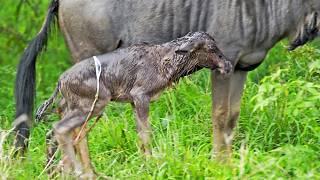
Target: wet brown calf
136,74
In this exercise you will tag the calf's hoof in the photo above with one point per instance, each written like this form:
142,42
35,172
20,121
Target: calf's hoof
88,176
147,153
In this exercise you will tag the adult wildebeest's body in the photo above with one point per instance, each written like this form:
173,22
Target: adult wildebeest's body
244,29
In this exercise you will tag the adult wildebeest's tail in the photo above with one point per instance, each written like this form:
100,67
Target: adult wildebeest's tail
42,109
25,80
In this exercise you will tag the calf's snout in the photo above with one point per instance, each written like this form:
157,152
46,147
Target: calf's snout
225,67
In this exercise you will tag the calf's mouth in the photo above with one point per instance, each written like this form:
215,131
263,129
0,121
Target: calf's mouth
225,68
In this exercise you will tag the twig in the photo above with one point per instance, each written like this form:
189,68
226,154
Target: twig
3,136
98,73
48,164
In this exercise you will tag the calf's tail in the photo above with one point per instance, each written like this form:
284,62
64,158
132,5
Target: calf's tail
25,80
42,109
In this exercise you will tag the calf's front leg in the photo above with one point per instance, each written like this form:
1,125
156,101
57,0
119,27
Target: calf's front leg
141,108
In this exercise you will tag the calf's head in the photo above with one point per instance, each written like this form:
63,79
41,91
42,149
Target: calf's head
202,49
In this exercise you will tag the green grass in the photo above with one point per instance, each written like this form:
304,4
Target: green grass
277,137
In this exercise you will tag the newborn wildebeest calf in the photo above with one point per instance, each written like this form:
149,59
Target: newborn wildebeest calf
136,74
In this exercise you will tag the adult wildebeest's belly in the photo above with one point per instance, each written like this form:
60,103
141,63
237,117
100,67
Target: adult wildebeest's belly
99,26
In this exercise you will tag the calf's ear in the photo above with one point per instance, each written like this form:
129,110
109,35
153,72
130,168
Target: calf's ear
181,52
189,48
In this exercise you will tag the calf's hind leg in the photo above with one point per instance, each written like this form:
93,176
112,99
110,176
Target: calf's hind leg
52,147
63,131
83,152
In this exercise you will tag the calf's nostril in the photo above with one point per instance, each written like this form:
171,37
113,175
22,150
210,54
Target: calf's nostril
229,67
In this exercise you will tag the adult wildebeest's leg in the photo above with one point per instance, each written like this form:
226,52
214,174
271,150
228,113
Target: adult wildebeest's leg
226,95
141,107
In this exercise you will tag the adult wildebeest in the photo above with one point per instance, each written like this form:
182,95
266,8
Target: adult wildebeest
244,29
137,74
